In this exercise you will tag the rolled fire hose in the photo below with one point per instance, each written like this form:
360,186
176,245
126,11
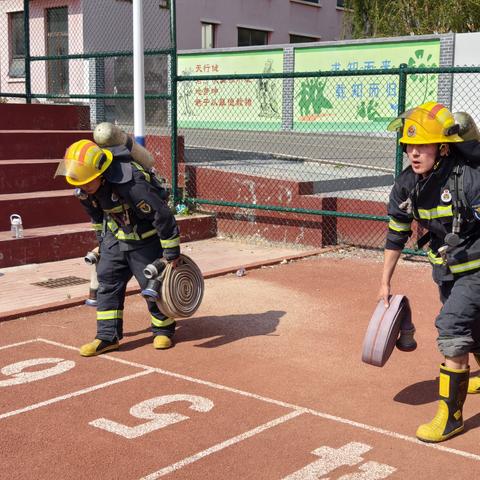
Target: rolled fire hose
182,288
389,328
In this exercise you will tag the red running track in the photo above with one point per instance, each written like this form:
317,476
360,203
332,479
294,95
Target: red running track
265,382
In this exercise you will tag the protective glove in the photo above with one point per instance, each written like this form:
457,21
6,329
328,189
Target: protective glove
171,254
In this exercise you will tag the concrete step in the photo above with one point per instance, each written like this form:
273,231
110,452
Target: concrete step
16,116
32,175
41,209
38,144
48,244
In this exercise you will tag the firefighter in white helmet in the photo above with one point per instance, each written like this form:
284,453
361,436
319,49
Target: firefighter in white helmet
427,191
134,227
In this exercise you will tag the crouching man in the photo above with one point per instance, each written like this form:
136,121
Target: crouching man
134,225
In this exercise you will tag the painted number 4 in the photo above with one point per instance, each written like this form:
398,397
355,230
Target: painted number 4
333,458
145,410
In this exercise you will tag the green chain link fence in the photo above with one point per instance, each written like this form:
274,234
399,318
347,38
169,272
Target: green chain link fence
83,54
283,171
258,150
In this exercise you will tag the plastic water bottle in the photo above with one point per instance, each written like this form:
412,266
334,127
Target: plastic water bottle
16,225
241,272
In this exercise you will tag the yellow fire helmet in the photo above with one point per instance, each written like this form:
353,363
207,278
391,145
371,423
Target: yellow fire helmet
83,162
430,122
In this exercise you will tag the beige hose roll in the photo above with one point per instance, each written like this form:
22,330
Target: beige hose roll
182,288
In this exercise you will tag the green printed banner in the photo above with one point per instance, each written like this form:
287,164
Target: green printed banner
230,104
363,103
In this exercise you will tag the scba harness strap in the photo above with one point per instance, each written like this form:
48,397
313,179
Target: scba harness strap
118,219
461,210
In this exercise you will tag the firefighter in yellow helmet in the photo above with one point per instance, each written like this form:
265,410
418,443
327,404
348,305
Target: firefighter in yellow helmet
134,226
84,161
441,191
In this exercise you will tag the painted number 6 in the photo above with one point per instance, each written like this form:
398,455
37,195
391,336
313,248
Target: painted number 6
15,370
157,420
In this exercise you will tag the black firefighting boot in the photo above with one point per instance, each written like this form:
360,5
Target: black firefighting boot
448,421
474,382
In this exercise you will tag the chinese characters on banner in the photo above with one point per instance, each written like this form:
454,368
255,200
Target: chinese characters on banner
209,92
244,103
343,103
346,101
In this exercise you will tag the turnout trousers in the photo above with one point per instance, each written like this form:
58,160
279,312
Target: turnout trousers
116,267
458,322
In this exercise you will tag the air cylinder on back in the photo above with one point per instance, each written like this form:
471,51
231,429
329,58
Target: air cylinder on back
107,134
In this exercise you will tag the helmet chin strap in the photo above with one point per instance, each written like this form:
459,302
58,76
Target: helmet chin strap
444,149
436,166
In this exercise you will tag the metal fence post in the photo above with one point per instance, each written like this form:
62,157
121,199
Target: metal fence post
26,27
402,94
173,80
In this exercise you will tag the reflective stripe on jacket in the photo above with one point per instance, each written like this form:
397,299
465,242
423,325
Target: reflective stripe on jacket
429,202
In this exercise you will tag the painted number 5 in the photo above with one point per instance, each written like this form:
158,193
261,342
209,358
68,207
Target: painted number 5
157,420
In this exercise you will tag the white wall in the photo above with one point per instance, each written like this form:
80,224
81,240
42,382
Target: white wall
466,86
38,45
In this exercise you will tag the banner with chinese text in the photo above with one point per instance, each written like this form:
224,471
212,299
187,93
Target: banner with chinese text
230,104
362,103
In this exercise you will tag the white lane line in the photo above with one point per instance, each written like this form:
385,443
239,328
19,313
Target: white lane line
326,416
181,376
18,344
218,386
74,394
398,436
220,446
115,359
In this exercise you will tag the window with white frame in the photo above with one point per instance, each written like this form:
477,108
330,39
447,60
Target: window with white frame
208,35
17,45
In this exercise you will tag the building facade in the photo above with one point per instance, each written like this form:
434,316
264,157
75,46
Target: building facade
233,23
232,35
83,27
